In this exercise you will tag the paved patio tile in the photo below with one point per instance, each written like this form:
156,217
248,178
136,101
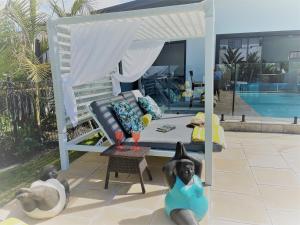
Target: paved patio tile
279,177
264,160
284,217
256,182
227,181
260,149
62,219
231,165
134,198
224,222
282,198
292,157
114,215
230,154
239,208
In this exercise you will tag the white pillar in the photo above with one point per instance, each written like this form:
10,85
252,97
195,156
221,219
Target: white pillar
58,95
209,95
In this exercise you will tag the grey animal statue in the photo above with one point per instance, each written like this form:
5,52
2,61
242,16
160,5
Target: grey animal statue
185,202
46,197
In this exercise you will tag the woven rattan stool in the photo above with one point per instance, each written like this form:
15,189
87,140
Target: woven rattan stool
127,159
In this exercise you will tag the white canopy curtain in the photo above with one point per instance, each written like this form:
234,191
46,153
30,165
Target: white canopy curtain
94,55
98,46
138,59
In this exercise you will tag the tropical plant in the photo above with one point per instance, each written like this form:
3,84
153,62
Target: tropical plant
232,58
5,125
253,57
28,25
35,70
29,22
252,66
270,68
9,45
79,7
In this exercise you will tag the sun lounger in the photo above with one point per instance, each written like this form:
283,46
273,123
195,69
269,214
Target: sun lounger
104,114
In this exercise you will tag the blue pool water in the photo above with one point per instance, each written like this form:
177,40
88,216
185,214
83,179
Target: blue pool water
281,105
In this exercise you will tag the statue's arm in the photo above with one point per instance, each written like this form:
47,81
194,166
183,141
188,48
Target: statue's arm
169,170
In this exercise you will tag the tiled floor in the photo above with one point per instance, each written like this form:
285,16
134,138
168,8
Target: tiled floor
256,182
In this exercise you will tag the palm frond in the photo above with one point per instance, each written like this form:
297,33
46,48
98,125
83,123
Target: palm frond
35,71
82,7
9,37
26,17
33,18
19,12
233,56
253,57
44,44
57,9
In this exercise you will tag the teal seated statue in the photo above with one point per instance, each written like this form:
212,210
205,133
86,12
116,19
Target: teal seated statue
185,203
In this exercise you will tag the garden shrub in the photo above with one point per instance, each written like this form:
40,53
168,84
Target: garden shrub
20,144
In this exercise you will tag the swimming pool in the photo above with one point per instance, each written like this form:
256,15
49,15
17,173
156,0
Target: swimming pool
281,105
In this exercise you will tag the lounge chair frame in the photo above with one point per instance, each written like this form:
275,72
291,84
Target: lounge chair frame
60,54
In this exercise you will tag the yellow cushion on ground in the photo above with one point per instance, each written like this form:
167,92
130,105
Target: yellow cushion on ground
218,135
215,118
146,119
12,221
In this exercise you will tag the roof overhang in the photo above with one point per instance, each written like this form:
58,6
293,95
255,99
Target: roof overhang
142,4
177,22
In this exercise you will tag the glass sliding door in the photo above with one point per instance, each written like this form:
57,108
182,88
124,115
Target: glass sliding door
166,82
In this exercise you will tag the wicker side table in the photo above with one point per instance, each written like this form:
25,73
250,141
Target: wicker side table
128,159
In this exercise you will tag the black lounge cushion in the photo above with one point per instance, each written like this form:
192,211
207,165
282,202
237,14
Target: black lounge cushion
104,113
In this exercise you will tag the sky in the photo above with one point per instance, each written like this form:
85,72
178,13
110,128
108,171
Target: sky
99,4
2,2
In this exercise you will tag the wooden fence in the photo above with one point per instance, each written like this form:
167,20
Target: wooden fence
18,108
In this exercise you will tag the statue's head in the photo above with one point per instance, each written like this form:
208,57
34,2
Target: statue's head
185,170
182,165
49,172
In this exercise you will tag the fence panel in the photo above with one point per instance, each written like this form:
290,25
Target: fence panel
18,101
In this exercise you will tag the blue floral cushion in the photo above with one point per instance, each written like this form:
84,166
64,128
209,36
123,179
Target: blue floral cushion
127,117
150,107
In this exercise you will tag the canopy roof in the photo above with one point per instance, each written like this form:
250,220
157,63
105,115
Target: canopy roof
176,22
142,4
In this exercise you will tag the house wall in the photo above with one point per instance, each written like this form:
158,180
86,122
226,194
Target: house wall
194,58
246,16
277,48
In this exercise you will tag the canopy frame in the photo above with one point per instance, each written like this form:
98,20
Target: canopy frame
65,146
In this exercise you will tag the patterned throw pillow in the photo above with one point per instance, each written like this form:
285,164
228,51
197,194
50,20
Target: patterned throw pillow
127,117
150,107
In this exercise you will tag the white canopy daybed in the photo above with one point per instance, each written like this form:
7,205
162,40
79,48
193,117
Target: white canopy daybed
85,52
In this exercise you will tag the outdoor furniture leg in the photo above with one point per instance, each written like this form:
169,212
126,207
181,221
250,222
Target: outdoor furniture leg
107,175
191,102
106,180
142,181
130,161
149,173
